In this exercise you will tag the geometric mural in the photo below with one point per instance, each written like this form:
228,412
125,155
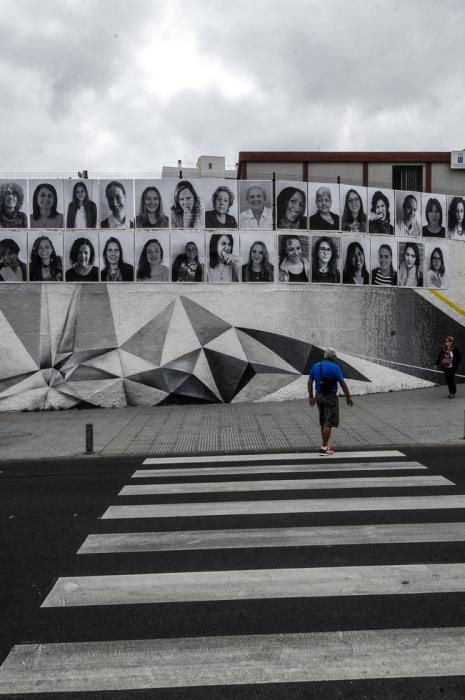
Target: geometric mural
184,354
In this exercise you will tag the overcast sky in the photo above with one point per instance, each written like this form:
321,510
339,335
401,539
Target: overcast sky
128,86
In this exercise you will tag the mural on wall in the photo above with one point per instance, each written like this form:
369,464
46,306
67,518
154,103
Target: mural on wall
183,354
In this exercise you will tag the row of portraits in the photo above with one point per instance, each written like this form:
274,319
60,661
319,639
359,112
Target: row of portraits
93,256
228,204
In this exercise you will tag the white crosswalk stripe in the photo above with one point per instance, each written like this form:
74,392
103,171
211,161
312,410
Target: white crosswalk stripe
199,659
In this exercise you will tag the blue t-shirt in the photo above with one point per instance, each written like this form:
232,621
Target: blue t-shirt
329,370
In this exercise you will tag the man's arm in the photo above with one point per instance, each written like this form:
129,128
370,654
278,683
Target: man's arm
346,391
311,398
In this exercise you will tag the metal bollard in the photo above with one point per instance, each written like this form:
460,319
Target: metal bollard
89,439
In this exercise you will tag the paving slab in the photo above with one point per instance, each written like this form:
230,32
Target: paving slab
420,416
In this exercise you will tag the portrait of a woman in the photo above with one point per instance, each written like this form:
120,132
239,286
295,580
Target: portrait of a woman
408,224
290,205
115,268
433,214
223,265
150,267
355,271
324,219
353,217
11,203
380,215
187,266
384,275
12,269
82,211
151,210
293,265
44,208
436,274
115,194
219,216
186,211
82,257
258,268
410,274
325,261
455,219
45,265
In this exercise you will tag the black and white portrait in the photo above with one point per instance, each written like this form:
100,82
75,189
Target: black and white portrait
45,256
436,264
13,256
152,256
408,214
257,257
434,212
81,197
323,206
46,204
13,204
353,208
186,207
411,259
456,218
326,259
355,260
256,205
224,263
116,256
294,258
116,204
152,198
384,262
291,205
188,255
381,211
220,197
81,256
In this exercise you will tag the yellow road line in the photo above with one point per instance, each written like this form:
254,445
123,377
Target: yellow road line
447,301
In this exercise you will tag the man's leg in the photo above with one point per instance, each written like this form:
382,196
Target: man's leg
325,435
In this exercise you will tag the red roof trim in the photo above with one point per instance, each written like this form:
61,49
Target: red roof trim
344,156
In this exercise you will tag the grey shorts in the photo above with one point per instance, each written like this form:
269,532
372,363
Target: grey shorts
328,406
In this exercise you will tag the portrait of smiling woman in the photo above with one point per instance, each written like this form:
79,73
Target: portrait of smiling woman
151,209
186,211
223,264
325,259
355,268
82,211
380,213
290,208
410,264
44,207
187,266
11,204
258,267
82,257
219,216
115,269
150,267
293,262
353,216
45,265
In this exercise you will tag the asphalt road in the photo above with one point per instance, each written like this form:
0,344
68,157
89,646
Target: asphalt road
47,509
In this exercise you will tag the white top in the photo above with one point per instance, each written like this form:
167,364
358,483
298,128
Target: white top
247,219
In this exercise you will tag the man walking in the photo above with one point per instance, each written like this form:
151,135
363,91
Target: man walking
326,375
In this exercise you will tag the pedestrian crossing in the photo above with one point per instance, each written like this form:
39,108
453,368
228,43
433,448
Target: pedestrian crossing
186,517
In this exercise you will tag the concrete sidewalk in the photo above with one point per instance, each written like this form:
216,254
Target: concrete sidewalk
398,418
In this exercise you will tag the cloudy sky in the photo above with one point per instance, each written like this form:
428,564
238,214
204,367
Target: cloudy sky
112,85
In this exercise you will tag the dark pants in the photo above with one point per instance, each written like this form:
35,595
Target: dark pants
450,379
